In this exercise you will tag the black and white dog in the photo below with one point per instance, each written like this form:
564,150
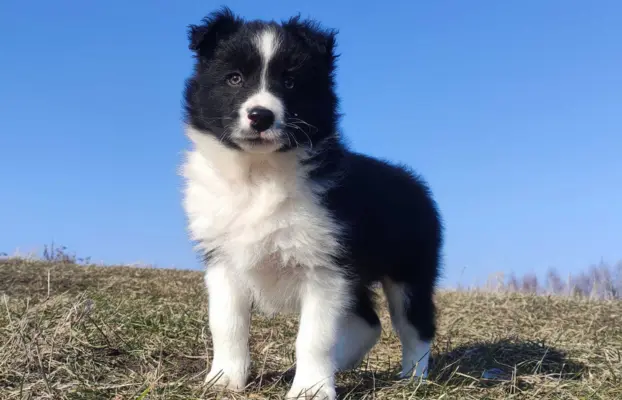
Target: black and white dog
288,218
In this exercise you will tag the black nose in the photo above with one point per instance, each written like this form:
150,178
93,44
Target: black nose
261,118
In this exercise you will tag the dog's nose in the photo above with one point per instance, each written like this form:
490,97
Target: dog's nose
261,118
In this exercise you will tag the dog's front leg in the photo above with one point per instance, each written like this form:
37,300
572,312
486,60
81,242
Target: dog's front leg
323,302
229,323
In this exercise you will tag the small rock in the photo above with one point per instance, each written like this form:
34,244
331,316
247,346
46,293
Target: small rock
495,373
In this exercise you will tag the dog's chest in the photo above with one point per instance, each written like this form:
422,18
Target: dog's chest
269,224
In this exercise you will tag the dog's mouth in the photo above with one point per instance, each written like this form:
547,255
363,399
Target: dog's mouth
257,140
265,137
260,142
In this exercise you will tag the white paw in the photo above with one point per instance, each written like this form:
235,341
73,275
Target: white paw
317,392
219,378
416,371
415,360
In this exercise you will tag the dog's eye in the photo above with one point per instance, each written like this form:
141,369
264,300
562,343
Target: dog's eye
288,82
234,79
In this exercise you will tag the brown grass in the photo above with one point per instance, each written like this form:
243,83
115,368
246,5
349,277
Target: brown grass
75,332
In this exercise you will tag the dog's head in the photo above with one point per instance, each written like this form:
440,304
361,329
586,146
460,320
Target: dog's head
262,86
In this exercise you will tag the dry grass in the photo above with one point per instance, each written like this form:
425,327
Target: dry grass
75,332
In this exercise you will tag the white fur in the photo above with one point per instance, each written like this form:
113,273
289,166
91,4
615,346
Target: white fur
228,301
415,352
355,338
275,247
267,43
321,311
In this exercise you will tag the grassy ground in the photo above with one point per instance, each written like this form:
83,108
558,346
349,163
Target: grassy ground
74,332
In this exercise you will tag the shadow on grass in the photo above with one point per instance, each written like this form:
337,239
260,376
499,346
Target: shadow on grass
484,364
507,360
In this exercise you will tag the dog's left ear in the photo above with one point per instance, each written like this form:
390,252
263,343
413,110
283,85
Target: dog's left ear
215,27
314,36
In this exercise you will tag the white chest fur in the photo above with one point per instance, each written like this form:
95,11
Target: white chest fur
261,215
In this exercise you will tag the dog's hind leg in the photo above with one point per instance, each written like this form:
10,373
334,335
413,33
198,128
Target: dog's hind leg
412,314
358,332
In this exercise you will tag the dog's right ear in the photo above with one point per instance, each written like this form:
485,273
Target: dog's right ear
215,27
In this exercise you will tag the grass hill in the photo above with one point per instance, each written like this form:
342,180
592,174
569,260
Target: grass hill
69,331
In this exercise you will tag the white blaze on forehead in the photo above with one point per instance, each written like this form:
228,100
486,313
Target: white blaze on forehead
267,43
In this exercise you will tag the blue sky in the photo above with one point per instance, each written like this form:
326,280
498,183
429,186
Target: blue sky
511,110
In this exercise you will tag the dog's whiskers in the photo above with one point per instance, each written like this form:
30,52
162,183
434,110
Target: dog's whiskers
295,126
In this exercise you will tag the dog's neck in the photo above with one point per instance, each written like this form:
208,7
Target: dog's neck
242,167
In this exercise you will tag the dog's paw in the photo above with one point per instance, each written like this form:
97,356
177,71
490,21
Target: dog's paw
324,392
417,372
222,379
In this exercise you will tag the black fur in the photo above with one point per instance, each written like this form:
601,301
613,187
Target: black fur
394,231
392,226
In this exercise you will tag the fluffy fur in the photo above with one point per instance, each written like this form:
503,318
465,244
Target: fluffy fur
288,218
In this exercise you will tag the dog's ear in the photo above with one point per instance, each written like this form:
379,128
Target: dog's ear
314,36
215,27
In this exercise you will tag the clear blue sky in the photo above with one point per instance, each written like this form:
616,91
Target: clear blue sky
511,110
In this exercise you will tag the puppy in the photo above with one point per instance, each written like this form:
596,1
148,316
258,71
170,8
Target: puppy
287,218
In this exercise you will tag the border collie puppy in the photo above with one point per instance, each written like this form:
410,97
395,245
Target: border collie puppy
288,218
